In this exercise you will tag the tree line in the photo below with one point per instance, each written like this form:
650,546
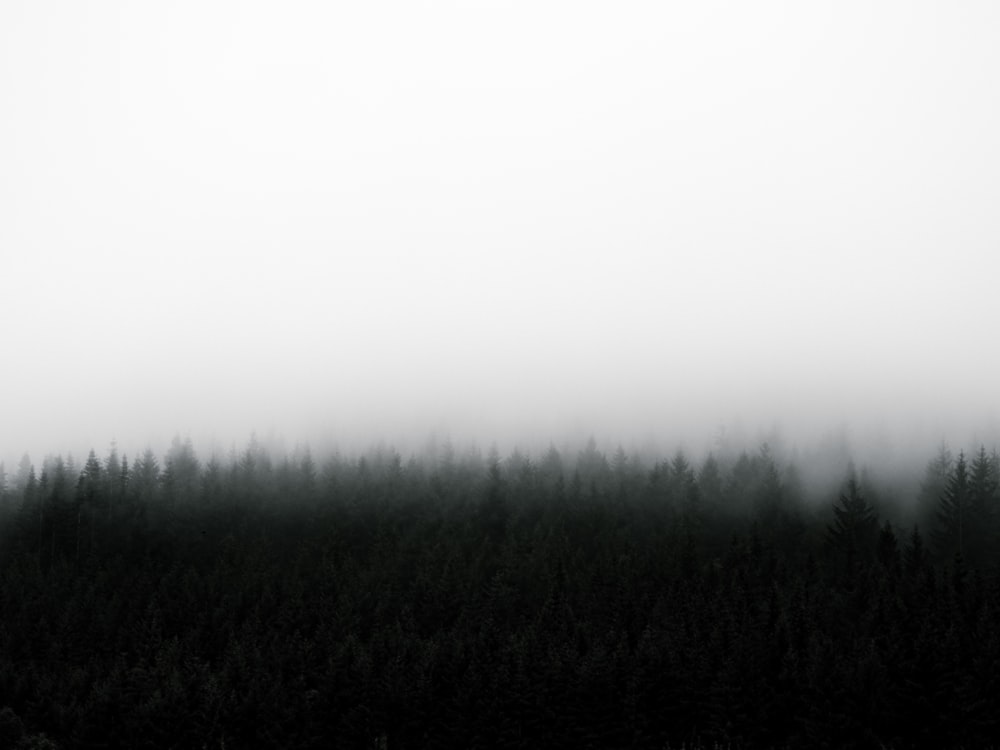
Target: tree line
485,601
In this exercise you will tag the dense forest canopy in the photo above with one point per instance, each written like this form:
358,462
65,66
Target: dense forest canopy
582,598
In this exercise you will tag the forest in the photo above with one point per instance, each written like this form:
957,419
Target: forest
570,599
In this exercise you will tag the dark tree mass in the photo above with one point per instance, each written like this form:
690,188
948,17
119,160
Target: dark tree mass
564,600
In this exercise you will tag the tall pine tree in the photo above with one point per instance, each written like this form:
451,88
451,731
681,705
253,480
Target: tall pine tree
855,523
982,507
953,519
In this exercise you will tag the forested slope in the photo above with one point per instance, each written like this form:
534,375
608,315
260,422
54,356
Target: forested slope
552,601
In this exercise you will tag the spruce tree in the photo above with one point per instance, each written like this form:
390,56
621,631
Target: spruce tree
915,556
933,485
982,507
953,512
887,549
854,522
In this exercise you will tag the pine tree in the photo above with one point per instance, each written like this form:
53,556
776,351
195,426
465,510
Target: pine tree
855,522
3,488
144,479
933,485
743,478
710,488
90,482
181,472
887,549
915,556
24,468
593,468
59,507
685,491
112,477
123,480
982,507
494,510
953,518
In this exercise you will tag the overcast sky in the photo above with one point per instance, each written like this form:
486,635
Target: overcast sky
494,219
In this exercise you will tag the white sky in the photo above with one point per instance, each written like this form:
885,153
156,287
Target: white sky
494,219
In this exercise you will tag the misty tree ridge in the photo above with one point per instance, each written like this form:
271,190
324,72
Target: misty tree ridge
572,599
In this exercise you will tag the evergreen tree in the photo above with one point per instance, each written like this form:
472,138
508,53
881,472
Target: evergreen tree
915,556
124,478
3,488
953,516
307,474
30,513
710,489
60,512
982,508
494,512
623,471
145,478
90,501
887,550
854,523
24,468
550,468
90,483
593,468
744,478
181,472
112,478
933,485
685,493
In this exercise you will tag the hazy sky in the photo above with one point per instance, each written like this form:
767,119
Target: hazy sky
494,218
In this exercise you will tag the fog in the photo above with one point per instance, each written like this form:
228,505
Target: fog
506,223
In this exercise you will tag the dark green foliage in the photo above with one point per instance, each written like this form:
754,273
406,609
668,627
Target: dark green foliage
471,601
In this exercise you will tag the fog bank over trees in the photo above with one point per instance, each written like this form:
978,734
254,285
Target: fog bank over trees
462,597
817,459
497,222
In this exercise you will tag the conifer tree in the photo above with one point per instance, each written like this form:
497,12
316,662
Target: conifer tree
685,491
915,556
953,512
887,549
24,468
855,522
982,507
112,477
145,477
90,494
123,480
710,487
933,485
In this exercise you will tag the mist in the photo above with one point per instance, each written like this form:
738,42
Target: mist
503,224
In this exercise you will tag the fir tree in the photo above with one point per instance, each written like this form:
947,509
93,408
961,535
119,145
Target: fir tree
887,549
933,485
982,507
953,512
855,522
915,556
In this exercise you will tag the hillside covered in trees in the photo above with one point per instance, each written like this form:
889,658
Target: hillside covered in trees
462,600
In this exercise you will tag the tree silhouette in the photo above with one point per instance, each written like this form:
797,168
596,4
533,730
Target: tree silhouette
953,512
854,522
982,507
933,485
